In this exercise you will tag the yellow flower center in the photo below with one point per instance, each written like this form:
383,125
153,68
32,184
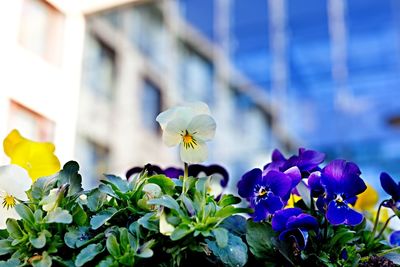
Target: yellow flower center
262,192
339,198
188,140
9,201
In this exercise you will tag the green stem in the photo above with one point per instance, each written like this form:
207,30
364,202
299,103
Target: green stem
185,176
384,227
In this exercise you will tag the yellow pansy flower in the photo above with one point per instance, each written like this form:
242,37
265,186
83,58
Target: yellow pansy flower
292,200
36,157
367,200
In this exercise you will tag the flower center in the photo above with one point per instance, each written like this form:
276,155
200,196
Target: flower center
9,201
188,140
339,198
262,192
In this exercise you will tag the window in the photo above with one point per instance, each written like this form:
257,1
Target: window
41,29
30,123
94,159
151,105
148,33
100,67
196,75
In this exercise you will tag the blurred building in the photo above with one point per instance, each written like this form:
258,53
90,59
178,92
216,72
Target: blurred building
92,76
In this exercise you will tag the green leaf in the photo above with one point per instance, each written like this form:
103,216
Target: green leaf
58,216
393,256
44,261
26,213
102,217
107,189
113,246
341,237
13,262
180,232
69,175
124,238
108,262
79,215
5,247
147,222
201,185
96,200
260,239
145,250
221,236
88,253
235,224
39,241
166,201
227,200
121,184
230,210
14,229
234,254
127,260
42,186
166,184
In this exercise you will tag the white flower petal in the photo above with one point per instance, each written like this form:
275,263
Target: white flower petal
197,154
202,127
199,108
173,130
185,112
15,180
5,214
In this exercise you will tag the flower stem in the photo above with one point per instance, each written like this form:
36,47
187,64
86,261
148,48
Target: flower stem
377,219
384,226
185,176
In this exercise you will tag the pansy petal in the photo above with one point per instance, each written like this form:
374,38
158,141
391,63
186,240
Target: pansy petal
217,169
260,213
282,216
279,183
247,183
272,203
172,134
353,217
336,214
390,186
299,236
197,154
7,214
202,127
395,238
314,182
15,180
199,108
173,172
294,174
37,158
304,221
11,140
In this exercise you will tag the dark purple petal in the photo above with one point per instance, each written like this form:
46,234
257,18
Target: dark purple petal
151,169
307,160
340,176
352,200
172,172
340,213
304,221
300,236
278,160
294,174
336,214
272,203
260,212
314,182
217,169
353,217
390,186
282,216
279,183
247,183
133,171
277,156
395,238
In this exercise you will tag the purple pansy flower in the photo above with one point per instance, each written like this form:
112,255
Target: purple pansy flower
307,161
342,183
265,191
293,224
393,189
395,239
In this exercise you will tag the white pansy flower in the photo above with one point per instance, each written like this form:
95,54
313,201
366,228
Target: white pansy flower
14,181
189,126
